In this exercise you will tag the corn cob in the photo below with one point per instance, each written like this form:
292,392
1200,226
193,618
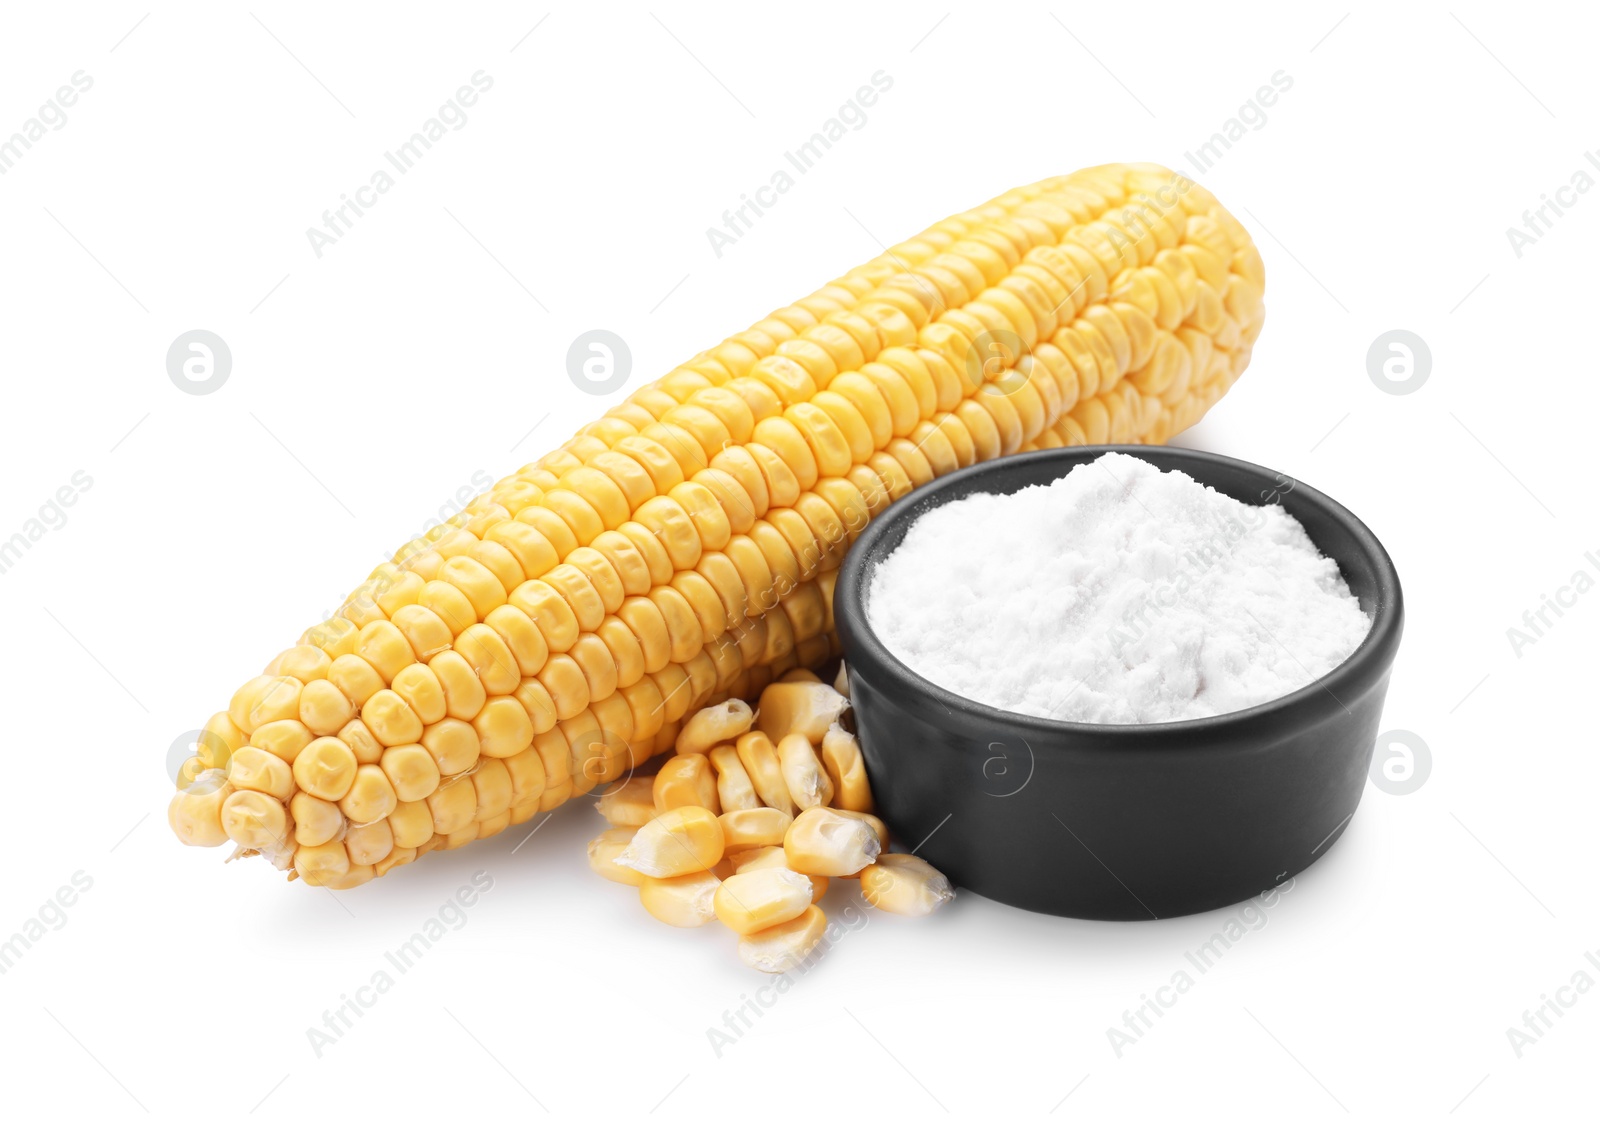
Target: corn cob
682,549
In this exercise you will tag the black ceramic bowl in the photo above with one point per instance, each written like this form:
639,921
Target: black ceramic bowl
1121,822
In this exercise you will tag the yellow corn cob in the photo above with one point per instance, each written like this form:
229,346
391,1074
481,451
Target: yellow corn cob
682,549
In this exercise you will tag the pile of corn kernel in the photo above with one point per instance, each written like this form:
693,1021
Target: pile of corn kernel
752,816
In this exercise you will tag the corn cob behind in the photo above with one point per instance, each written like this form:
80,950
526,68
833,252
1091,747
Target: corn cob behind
682,549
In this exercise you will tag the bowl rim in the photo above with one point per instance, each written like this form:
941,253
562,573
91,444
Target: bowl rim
1375,653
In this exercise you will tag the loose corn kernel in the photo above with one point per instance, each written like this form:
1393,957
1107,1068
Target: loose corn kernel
630,804
718,724
799,706
195,812
773,857
688,900
745,829
603,852
760,761
783,947
734,789
905,884
686,780
803,775
841,755
761,898
841,682
827,843
804,675
758,857
685,840
879,830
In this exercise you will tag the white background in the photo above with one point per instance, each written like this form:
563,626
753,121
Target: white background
370,384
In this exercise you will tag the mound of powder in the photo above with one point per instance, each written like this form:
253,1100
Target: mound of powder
1116,595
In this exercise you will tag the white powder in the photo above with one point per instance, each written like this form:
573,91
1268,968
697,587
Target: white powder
1116,595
